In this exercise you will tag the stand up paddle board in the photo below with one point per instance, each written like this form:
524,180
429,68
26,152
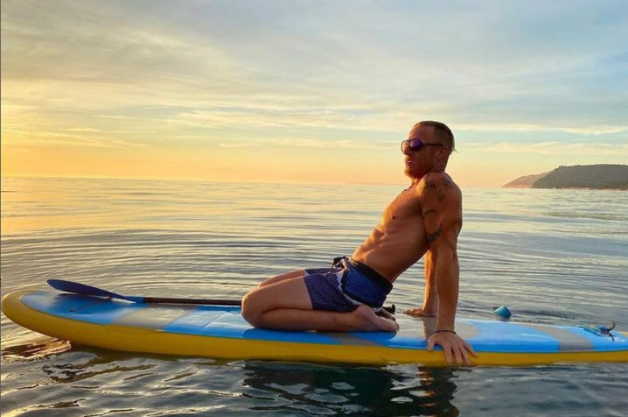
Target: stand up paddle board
221,332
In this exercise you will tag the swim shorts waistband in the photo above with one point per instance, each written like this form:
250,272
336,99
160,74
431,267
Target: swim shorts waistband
372,274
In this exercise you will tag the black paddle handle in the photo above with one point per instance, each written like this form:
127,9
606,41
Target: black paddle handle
156,300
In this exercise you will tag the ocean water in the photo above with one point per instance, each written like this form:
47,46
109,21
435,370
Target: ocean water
550,256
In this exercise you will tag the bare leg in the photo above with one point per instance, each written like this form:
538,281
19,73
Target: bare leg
285,305
362,319
299,273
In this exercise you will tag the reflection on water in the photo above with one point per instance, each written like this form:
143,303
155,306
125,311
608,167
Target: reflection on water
550,256
92,382
268,388
39,349
322,390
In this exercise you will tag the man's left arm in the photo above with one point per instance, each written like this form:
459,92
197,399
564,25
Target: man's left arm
442,216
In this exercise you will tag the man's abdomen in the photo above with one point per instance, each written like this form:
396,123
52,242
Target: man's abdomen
390,253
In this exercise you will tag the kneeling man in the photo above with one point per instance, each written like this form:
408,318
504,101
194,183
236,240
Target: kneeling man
423,220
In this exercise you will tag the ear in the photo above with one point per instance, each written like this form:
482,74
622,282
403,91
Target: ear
443,151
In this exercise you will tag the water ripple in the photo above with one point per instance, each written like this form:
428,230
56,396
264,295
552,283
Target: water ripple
551,256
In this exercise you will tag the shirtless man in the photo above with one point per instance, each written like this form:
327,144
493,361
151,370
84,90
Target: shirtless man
424,220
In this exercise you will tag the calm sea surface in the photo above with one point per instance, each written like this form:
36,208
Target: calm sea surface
550,256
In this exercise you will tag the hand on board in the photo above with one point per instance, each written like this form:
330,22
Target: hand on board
453,346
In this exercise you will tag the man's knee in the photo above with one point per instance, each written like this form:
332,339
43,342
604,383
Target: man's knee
251,310
288,294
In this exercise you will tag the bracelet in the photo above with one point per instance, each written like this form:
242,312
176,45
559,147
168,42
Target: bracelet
445,331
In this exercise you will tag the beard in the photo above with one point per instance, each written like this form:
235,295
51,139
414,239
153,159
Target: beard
412,171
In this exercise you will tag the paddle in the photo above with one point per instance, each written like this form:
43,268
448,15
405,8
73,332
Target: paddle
82,289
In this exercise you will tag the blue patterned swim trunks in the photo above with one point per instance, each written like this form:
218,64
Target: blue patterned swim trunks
345,286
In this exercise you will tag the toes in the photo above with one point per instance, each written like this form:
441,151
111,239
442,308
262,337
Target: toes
370,321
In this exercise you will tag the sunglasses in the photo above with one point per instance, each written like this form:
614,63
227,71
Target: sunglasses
415,145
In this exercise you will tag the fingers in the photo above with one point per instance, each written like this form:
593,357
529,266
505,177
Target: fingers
458,354
465,357
462,353
470,349
430,343
454,348
448,355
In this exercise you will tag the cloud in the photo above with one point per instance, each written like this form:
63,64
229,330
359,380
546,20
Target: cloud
21,135
209,54
84,130
551,148
307,143
596,130
264,117
314,74
115,117
11,109
577,130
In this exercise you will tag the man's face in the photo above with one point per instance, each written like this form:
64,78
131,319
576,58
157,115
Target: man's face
419,162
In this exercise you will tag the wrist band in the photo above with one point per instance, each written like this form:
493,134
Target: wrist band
445,331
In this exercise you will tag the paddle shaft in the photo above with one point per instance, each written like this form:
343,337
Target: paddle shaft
158,300
202,301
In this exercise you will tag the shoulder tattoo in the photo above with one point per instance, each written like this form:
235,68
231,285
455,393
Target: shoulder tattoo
440,187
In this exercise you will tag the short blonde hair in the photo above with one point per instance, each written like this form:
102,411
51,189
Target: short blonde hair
442,133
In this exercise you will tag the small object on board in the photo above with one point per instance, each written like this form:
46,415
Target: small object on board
502,311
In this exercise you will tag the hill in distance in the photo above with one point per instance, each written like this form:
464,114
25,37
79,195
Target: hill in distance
599,177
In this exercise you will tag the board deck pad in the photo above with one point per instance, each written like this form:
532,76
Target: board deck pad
222,332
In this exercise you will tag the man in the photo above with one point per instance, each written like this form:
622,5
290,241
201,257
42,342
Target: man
424,220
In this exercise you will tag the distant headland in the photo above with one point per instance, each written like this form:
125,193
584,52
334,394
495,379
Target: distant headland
599,177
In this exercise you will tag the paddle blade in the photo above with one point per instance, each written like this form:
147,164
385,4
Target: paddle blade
82,289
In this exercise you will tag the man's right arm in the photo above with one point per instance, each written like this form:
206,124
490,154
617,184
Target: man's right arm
430,299
444,201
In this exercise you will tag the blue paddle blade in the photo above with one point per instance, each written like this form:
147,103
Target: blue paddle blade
82,289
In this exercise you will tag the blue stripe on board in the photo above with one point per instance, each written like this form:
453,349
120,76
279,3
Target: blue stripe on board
393,340
78,307
602,343
233,325
493,337
195,321
508,337
228,323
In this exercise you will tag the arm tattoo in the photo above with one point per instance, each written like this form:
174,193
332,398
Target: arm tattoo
440,187
431,237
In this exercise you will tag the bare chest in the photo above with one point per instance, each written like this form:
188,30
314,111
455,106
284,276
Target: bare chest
405,206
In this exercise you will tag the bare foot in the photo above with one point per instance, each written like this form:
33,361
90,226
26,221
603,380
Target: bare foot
365,319
385,314
419,312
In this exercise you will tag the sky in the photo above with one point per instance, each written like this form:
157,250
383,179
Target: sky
310,91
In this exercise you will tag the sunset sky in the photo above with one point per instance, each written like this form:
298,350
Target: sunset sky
312,91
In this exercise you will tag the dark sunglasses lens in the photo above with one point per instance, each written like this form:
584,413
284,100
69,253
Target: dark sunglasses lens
416,144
